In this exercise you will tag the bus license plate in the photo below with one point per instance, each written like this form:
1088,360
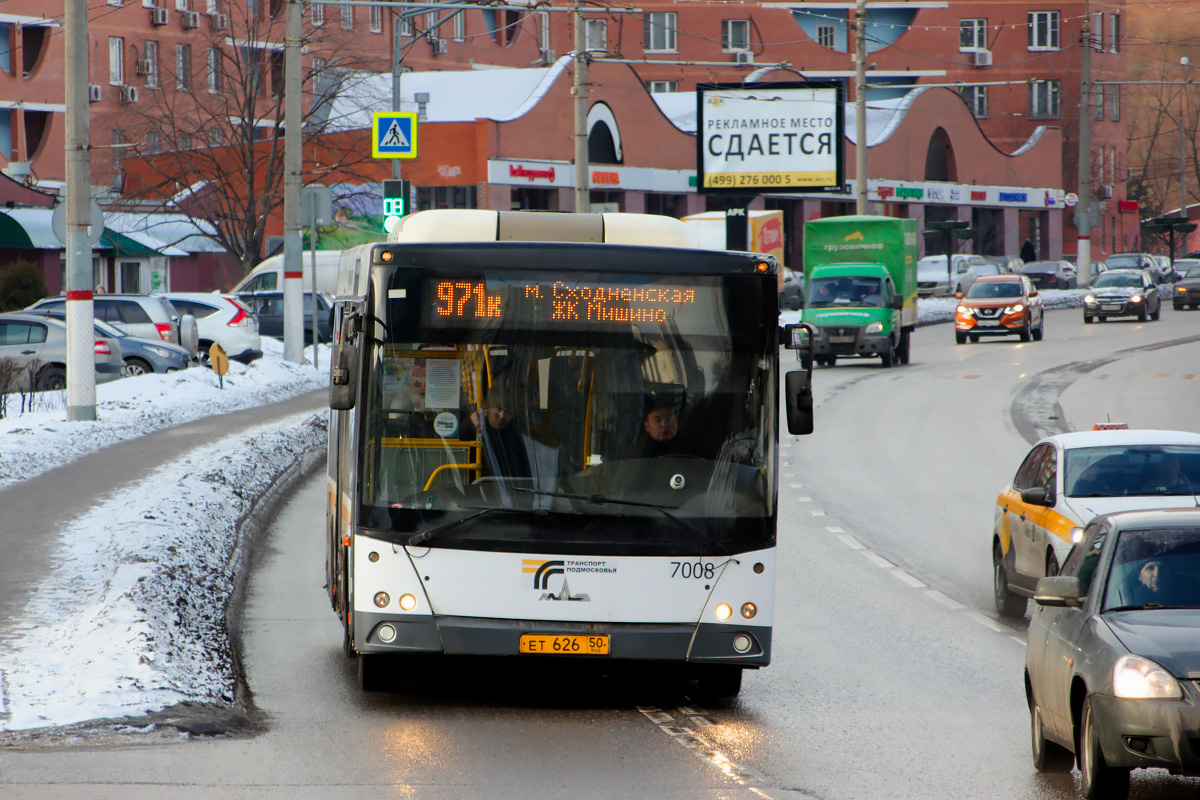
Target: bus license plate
566,645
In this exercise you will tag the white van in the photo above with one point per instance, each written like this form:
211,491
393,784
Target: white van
268,275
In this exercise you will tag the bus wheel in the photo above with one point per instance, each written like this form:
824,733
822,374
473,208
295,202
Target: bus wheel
719,683
370,672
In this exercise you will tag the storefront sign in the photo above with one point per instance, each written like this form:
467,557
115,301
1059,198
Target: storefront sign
910,194
978,196
605,178
1014,197
1127,206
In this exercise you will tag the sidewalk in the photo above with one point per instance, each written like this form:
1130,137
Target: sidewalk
33,512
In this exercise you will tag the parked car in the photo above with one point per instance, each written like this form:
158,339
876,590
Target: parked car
963,282
1009,265
1187,288
223,320
1051,274
1122,293
1111,658
268,308
141,356
998,305
933,280
1166,272
37,346
792,294
1134,261
1063,482
143,315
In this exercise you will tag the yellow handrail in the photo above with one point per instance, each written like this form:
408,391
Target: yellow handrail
476,465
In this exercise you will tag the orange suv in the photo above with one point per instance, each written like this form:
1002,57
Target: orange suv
997,305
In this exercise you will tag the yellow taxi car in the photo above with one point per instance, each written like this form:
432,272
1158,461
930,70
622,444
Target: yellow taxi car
1068,479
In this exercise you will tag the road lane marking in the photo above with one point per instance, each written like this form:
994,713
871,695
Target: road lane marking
707,751
876,559
817,513
987,622
904,577
802,499
946,600
850,541
834,529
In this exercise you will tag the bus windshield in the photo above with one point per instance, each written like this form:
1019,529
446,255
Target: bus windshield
515,411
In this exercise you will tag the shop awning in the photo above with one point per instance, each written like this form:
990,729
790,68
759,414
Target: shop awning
31,229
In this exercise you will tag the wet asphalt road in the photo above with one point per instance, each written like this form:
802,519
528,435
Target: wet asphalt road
891,677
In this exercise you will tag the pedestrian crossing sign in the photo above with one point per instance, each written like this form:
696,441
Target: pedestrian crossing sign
394,134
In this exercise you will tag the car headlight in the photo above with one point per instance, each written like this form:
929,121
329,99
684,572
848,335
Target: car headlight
874,327
1137,298
1090,300
1137,678
1018,308
966,311
161,352
1181,288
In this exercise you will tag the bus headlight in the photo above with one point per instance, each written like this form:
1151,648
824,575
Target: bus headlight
382,599
408,602
749,610
742,643
387,633
723,611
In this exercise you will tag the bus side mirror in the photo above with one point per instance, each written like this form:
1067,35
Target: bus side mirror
343,377
797,385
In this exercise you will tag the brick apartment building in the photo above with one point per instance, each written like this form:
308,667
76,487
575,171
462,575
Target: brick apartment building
1016,66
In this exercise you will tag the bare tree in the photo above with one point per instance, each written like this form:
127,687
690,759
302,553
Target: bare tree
206,137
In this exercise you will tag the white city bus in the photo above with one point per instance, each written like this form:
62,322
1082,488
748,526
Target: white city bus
493,487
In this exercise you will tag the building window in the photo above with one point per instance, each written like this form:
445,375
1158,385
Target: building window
347,18
977,99
215,137
1098,32
406,26
827,36
654,87
596,35
212,6
1043,30
376,19
460,28
1114,33
318,15
116,61
431,24
183,67
118,139
182,5
1100,164
1044,100
1099,90
1114,104
150,56
153,142
660,32
735,35
213,68
972,35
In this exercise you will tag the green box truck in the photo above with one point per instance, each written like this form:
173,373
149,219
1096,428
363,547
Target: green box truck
860,287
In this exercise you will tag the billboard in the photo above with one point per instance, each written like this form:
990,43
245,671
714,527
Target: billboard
770,138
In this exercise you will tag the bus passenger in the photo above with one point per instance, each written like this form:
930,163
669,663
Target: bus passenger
505,454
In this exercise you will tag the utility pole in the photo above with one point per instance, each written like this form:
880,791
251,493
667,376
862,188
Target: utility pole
860,106
397,72
293,252
579,91
81,365
1083,211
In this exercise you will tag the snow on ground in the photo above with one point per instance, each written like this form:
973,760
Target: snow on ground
132,618
39,440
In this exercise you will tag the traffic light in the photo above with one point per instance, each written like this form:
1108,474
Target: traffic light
395,202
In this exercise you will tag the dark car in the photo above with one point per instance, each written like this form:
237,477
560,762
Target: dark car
1111,658
1050,274
792,294
141,356
1122,293
268,308
1187,288
1142,261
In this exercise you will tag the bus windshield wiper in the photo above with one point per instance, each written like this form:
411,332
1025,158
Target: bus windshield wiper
425,536
599,499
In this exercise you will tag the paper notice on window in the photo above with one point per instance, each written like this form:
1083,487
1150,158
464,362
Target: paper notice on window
443,377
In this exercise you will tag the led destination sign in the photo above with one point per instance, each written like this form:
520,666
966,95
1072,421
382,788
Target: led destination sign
473,302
